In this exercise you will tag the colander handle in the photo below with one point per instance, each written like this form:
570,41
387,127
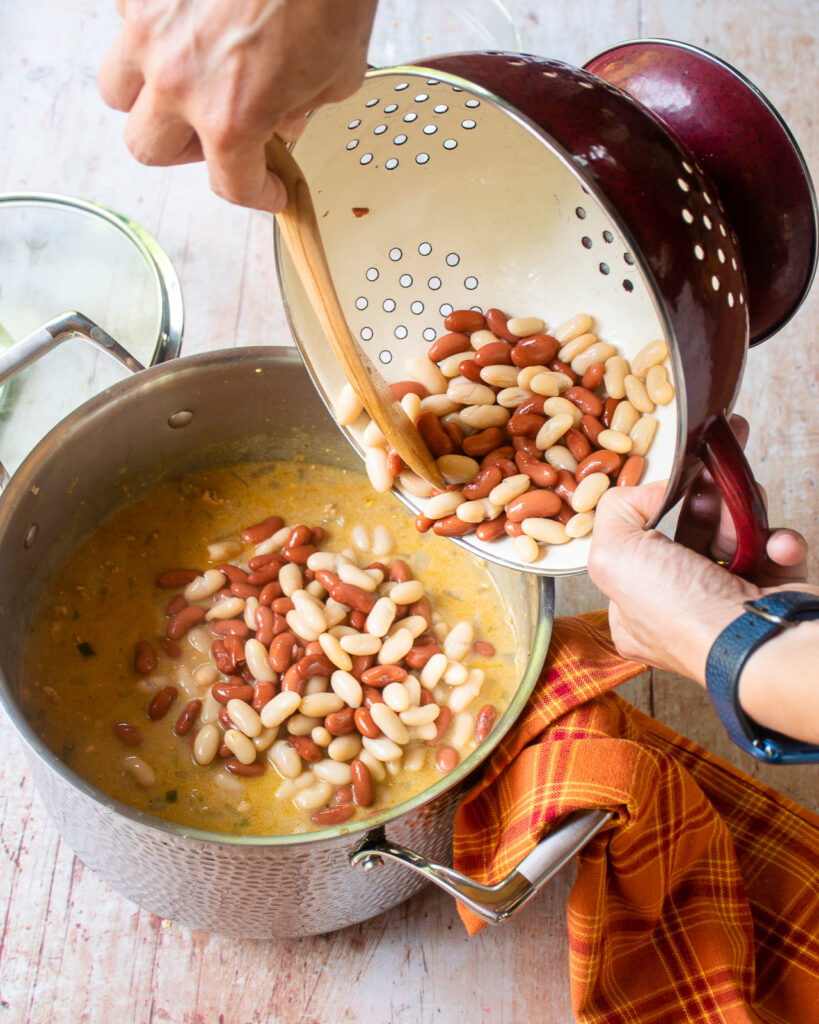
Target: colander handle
733,483
495,903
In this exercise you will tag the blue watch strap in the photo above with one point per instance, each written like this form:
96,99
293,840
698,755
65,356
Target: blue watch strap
762,620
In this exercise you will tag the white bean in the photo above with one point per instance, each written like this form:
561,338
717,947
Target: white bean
479,417
524,326
301,627
649,355
411,404
284,758
440,405
427,373
360,643
499,375
383,540
458,469
461,730
624,417
335,652
206,744
434,669
458,640
274,543
288,789
509,489
546,531
249,613
658,385
642,434
210,709
414,758
572,328
321,736
395,647
344,748
526,549
375,463
389,723
290,579
244,717
200,638
462,697
413,688
319,705
614,377
562,407
444,504
637,394
185,681
381,617
580,525
396,696
257,661
335,772
511,398
139,770
552,430
265,739
282,706
206,675
559,457
614,441
313,797
348,573
382,748
480,338
588,492
571,349
372,436
302,725
348,406
227,608
597,353
408,592
241,746
224,550
375,764
456,674
450,366
414,485
203,586
420,715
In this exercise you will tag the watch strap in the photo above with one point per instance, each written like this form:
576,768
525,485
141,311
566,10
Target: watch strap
763,619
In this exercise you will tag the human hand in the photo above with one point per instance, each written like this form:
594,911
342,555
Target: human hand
209,80
668,604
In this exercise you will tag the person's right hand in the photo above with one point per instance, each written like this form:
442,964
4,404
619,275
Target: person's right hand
214,79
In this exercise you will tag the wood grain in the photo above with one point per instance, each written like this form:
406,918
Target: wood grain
70,948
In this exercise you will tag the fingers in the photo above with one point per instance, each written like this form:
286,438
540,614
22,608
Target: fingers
157,137
630,508
239,174
119,79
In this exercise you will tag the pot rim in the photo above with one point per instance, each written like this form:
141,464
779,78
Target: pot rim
676,472
20,483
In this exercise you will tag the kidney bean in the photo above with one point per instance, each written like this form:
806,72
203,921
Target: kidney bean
174,579
512,529
233,687
448,345
455,433
496,322
357,620
263,693
493,354
464,321
380,675
584,399
609,407
187,716
362,781
566,485
309,665
237,767
533,504
469,369
269,592
176,604
128,734
346,593
442,723
490,529
233,572
419,654
577,443
592,376
235,647
527,423
262,561
484,722
281,650
591,427
507,467
565,514
506,451
538,471
261,531
267,573
400,388
482,483
344,795
264,619
333,815
299,553
536,350
600,461
482,443
560,367
230,627
433,434
222,659
184,620
145,659
158,707
244,590
446,759
632,471
484,648
400,572
371,695
306,748
421,607
340,723
299,535
452,526
281,606
224,751
395,464
423,524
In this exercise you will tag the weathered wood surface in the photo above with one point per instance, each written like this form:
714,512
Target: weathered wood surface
72,949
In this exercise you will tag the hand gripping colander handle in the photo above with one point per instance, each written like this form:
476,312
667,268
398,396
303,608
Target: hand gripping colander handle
734,483
495,903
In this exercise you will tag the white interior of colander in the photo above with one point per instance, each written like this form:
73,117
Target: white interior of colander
432,197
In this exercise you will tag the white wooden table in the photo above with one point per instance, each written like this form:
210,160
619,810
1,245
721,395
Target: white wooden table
70,948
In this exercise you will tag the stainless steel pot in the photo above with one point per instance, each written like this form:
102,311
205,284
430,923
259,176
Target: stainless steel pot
173,419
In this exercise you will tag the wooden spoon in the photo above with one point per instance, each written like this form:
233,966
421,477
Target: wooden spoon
299,227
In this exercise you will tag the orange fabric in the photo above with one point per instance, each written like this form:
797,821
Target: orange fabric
701,902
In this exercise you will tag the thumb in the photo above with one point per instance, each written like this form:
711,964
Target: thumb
624,510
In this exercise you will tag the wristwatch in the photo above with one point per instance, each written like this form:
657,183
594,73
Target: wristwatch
763,619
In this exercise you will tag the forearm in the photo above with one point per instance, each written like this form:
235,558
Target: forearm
779,685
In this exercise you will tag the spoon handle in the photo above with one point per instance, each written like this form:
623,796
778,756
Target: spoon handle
299,227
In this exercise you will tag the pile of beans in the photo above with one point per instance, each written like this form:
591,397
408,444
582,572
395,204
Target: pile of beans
334,675
528,428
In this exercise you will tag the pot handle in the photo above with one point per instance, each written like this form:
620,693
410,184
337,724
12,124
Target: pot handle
70,324
67,325
733,483
495,903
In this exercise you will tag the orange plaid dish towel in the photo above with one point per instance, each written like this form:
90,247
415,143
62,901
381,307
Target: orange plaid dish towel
700,903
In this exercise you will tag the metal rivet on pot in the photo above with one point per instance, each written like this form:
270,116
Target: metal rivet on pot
372,861
32,533
180,419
